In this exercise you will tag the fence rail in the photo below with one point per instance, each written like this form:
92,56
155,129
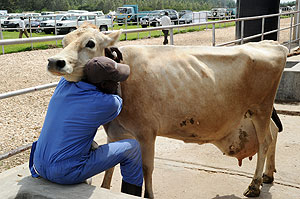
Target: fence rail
213,23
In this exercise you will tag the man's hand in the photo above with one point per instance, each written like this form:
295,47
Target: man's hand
114,54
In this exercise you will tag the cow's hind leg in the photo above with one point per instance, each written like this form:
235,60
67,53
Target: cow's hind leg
261,121
147,148
268,176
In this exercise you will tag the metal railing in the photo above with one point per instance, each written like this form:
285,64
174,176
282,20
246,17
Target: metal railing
237,41
52,27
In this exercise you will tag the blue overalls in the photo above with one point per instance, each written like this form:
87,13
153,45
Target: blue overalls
63,154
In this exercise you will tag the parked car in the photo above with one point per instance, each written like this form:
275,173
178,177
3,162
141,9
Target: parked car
231,12
47,13
2,19
11,22
152,19
48,22
187,18
70,23
35,26
218,13
173,14
183,12
207,13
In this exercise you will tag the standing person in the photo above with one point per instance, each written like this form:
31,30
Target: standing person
63,153
23,29
166,21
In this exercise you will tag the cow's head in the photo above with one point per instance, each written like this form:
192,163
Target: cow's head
80,46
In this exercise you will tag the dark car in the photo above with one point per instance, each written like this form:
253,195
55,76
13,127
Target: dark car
152,19
187,18
11,22
35,26
183,12
173,14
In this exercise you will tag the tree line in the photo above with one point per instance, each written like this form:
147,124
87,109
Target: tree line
13,6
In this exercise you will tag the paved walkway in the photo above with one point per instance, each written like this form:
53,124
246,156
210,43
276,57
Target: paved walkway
192,171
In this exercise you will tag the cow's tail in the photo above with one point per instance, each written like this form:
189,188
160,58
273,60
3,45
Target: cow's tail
276,120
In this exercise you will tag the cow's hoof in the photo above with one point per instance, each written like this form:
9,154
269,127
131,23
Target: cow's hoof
252,192
267,179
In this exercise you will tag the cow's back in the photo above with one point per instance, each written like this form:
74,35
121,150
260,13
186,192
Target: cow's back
196,93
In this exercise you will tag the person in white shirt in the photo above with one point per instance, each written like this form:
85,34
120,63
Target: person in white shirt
166,21
23,29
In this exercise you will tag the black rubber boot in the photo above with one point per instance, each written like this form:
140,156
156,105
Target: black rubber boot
131,189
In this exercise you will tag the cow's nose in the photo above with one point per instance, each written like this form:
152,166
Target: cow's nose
56,63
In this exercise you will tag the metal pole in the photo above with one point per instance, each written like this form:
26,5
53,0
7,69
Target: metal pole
15,151
262,28
138,34
297,21
213,34
206,21
1,37
298,15
55,30
171,37
30,31
242,31
126,26
291,26
297,28
112,22
278,33
27,90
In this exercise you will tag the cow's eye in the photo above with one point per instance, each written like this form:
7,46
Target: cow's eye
90,44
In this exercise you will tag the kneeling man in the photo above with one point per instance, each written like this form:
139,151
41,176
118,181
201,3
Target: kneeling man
63,153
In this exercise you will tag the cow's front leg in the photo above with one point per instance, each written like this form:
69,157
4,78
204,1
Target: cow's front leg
107,178
147,148
264,140
268,176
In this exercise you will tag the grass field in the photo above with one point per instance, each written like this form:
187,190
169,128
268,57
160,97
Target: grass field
130,36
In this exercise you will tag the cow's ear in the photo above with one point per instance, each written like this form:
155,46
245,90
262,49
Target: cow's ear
112,38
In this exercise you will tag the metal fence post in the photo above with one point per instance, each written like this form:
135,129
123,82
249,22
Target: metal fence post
206,21
137,19
291,27
55,30
1,37
213,35
171,37
278,32
262,28
126,26
242,31
30,30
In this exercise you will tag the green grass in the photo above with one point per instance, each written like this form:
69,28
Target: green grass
130,36
27,47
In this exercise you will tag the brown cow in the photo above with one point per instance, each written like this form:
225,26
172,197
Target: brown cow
219,95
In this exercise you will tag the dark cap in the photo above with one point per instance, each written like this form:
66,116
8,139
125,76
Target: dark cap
103,68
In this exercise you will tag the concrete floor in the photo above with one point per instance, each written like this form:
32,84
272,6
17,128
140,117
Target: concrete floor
201,171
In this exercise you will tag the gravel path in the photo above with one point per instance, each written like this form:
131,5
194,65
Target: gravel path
21,117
